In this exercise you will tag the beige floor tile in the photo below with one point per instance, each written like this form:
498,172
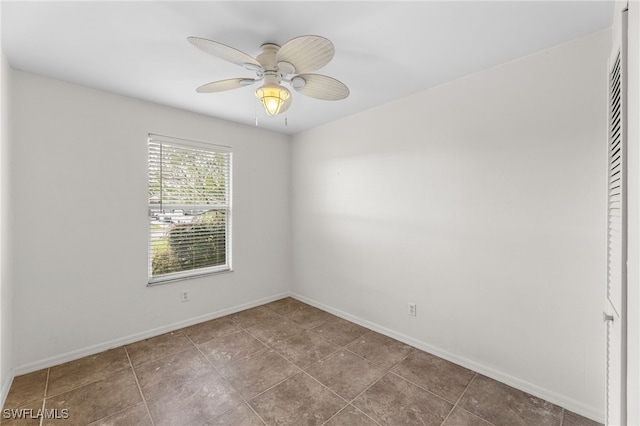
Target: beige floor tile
258,372
308,316
435,374
339,331
195,402
305,348
230,347
208,330
89,369
380,349
351,416
273,331
26,389
96,400
345,373
285,306
168,373
211,372
296,401
460,417
25,415
254,316
242,415
504,405
394,401
158,347
135,415
572,419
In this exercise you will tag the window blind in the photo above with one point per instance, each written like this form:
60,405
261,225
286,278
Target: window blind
189,208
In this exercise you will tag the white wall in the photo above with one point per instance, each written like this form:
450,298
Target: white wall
6,332
483,202
79,187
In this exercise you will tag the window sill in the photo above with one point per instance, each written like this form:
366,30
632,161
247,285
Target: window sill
170,279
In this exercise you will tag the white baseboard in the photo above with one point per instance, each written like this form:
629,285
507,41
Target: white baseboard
535,390
91,350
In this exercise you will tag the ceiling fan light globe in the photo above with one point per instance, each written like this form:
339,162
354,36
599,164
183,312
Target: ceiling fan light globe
273,98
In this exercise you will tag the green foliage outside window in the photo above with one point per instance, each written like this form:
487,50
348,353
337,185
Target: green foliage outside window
187,246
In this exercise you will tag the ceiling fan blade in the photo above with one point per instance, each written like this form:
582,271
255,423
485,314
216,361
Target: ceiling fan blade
306,53
223,51
320,87
222,85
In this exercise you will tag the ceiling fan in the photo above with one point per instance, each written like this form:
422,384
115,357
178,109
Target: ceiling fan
292,63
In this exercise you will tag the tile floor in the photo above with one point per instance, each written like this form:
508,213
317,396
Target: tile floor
283,363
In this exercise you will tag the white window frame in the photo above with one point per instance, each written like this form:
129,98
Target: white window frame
199,272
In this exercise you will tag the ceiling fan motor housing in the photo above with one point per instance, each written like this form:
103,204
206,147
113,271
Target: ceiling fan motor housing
268,58
270,65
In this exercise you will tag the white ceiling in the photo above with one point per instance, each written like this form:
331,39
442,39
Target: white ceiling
384,50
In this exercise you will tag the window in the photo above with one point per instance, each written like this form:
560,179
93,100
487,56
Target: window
189,208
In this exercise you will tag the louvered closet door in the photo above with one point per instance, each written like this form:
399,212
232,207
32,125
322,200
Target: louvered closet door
617,235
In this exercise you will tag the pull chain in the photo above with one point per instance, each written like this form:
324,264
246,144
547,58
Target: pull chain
255,111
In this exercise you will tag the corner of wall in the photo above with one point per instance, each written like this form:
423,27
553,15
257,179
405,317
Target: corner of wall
6,311
290,142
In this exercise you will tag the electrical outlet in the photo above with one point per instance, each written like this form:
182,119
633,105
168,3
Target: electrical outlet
185,295
412,309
